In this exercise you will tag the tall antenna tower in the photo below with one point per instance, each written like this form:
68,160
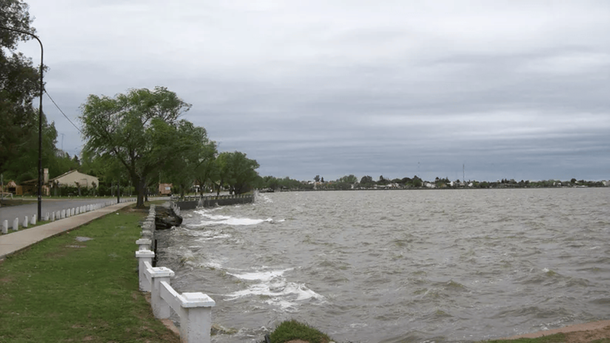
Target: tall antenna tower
464,173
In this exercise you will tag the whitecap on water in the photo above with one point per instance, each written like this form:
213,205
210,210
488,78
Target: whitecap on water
262,276
219,219
274,285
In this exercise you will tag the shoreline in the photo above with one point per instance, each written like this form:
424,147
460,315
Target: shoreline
583,332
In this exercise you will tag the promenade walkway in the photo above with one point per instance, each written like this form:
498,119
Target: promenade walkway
16,241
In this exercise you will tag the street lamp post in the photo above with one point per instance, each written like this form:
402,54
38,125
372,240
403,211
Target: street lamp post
39,119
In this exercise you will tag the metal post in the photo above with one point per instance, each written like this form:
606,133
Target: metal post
39,118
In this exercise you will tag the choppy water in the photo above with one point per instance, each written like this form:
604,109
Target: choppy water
400,266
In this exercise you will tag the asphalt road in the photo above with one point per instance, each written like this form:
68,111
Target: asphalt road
48,205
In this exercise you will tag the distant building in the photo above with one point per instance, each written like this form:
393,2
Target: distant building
165,188
74,178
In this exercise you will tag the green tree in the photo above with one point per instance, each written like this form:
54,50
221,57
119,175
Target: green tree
133,128
317,178
367,181
191,157
19,85
24,166
236,171
349,179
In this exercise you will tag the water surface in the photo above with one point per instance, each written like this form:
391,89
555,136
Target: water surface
400,266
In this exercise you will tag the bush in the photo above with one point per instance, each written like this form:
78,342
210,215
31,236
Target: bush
292,329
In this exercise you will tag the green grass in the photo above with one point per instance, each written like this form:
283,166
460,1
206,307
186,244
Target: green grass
62,290
16,202
292,329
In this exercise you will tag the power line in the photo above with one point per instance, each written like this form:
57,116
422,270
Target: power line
62,112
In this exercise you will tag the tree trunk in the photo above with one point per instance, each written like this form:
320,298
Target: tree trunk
140,184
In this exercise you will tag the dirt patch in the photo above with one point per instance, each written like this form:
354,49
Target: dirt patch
579,333
588,335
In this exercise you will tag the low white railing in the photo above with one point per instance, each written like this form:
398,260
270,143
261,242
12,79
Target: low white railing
60,214
193,309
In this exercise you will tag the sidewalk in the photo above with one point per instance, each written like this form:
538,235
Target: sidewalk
16,241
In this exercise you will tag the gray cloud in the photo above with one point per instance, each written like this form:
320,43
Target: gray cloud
511,89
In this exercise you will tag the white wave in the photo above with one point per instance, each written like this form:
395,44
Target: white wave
273,285
264,198
262,276
219,219
281,294
221,236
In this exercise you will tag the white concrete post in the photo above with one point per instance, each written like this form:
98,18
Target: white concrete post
5,227
161,309
143,244
25,222
52,216
46,217
16,224
147,234
77,211
144,256
33,220
72,211
196,322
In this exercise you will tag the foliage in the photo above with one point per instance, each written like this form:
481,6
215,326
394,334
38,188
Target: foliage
19,87
237,171
136,128
192,157
24,166
293,330
367,180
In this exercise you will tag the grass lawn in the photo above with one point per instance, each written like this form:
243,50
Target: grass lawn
63,290
16,202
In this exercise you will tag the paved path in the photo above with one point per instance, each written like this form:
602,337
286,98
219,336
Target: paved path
21,239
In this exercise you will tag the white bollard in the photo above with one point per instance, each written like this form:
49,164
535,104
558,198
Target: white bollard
76,211
16,224
144,256
46,217
33,221
63,214
71,211
5,227
161,309
143,244
196,320
25,222
52,216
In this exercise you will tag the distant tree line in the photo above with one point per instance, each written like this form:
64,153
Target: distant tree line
351,182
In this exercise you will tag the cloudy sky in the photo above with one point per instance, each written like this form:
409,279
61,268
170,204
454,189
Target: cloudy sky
516,89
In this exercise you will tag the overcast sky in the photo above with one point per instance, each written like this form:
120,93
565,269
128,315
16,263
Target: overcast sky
516,89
